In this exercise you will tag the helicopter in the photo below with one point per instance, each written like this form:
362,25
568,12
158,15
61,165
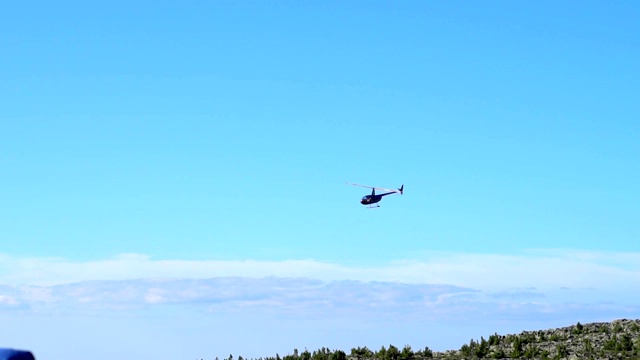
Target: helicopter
374,198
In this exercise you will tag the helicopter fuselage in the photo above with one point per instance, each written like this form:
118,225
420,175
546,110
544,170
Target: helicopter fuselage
373,198
368,200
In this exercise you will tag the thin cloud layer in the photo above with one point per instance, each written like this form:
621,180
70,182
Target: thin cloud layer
541,284
303,297
283,296
542,269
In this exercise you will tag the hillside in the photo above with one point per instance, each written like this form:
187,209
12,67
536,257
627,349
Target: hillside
619,339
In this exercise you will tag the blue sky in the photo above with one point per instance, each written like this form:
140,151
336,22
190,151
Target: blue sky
152,148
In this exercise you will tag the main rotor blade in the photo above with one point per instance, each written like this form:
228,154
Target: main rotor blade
372,187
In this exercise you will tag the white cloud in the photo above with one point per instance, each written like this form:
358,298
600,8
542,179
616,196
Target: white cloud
302,297
7,301
540,269
454,282
436,286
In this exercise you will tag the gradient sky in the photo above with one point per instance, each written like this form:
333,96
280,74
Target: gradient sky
172,174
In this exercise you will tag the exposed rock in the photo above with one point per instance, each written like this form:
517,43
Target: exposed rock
616,340
619,339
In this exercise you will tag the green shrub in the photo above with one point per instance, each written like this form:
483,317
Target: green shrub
465,350
361,352
555,337
527,338
611,344
406,353
531,351
561,351
588,347
617,328
517,348
338,355
498,354
393,353
625,343
425,353
482,349
494,339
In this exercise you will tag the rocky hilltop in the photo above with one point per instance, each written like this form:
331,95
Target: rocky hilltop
618,339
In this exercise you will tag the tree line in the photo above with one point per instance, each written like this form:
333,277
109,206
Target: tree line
385,353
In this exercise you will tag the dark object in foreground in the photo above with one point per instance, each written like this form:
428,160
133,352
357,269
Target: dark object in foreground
12,354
